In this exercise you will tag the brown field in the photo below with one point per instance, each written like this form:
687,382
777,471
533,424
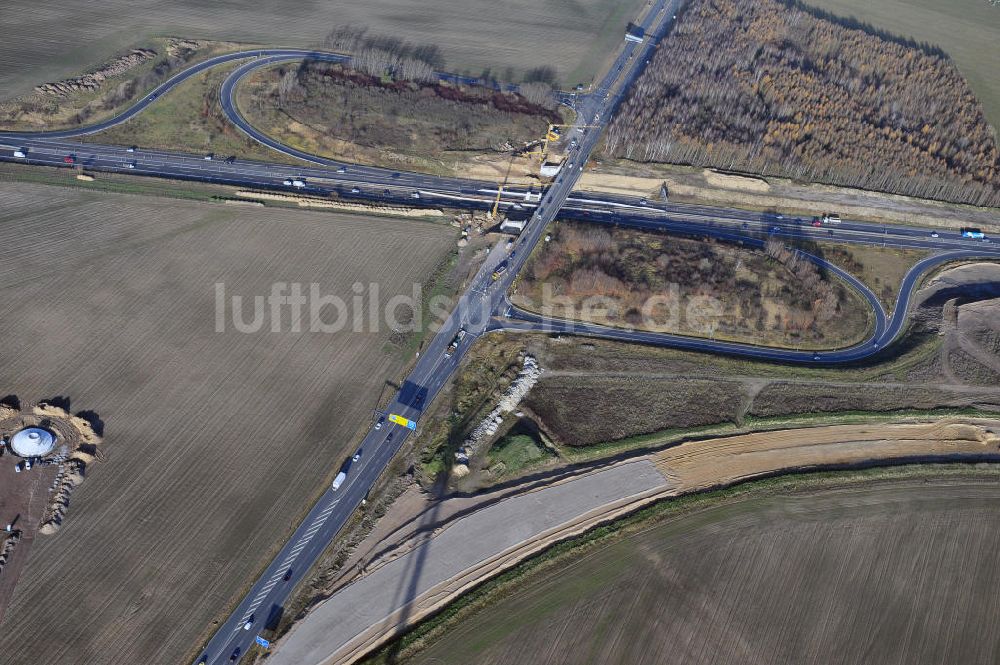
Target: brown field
215,442
630,405
573,37
898,570
699,287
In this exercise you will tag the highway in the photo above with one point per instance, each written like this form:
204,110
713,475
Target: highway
432,370
484,306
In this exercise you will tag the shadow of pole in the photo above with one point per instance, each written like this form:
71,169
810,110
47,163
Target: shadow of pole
408,588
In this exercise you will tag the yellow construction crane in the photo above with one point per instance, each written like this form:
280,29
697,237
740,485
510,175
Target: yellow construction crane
496,203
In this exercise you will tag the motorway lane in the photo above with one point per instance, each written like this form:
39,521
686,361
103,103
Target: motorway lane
430,373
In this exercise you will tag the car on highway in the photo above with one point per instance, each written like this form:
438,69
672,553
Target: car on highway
378,425
357,455
935,234
248,623
130,165
643,202
153,96
286,183
20,153
817,222
203,661
745,225
287,576
415,195
131,148
775,229
69,159
342,170
779,216
209,157
816,356
233,657
396,174
355,190
231,159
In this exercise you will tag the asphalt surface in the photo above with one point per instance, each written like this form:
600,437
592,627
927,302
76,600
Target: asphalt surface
374,599
433,368
484,306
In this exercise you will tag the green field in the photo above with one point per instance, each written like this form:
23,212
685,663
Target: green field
967,30
574,36
896,569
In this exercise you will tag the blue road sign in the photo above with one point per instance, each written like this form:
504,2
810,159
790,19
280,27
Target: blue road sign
264,643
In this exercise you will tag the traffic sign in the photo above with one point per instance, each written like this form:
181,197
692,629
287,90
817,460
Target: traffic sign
264,643
400,420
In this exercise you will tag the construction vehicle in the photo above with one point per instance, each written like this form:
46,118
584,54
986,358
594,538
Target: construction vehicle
500,270
455,341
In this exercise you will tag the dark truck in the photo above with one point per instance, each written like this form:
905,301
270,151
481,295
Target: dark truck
455,341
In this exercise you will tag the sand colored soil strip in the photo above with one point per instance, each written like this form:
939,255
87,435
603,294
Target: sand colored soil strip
309,202
701,464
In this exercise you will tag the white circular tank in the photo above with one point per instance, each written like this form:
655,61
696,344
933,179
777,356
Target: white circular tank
33,442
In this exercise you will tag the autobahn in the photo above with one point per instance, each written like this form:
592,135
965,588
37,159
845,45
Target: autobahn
484,306
433,369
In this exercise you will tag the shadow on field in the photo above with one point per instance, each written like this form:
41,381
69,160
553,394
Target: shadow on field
94,421
59,401
407,591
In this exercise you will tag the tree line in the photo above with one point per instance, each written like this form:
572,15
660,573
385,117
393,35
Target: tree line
762,87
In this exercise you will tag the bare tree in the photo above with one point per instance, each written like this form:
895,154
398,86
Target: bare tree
289,89
539,94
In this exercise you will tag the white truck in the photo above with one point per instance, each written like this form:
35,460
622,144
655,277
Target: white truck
338,481
20,154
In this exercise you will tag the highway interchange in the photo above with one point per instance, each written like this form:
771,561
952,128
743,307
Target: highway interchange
484,306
